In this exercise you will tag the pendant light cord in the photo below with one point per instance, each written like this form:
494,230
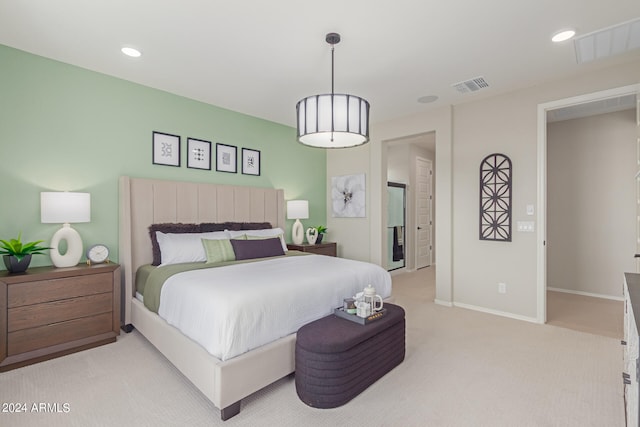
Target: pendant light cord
332,67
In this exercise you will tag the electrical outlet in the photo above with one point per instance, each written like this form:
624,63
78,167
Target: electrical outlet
502,288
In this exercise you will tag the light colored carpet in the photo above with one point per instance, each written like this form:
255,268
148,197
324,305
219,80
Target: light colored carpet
587,314
462,368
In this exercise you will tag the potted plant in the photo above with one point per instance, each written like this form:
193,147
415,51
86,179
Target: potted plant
17,255
321,229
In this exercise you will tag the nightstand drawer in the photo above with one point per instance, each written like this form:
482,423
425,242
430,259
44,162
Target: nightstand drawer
31,316
41,337
36,292
325,250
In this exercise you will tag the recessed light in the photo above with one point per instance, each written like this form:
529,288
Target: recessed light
129,51
427,99
563,35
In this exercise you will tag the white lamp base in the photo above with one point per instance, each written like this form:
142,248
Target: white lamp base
297,233
72,257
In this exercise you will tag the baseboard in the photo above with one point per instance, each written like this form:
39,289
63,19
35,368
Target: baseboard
496,312
586,294
444,303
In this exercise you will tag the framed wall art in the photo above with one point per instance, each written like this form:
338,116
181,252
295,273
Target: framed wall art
226,158
495,198
198,154
348,196
165,149
250,161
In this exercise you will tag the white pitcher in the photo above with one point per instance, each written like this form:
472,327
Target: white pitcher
372,299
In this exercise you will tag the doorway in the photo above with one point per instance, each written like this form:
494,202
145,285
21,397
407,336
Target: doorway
544,110
402,164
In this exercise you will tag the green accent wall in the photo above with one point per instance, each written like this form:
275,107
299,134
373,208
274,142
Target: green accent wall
65,128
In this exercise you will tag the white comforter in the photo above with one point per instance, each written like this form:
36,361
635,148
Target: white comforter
233,309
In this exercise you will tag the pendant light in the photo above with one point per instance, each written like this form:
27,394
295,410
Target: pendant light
333,120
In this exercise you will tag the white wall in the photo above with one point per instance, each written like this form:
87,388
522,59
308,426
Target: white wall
468,270
352,235
370,234
398,163
591,163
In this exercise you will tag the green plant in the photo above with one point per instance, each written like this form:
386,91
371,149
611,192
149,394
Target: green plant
19,250
321,229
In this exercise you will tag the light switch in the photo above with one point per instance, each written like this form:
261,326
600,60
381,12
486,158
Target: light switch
526,226
530,210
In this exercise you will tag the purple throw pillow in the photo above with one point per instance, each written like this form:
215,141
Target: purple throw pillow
249,249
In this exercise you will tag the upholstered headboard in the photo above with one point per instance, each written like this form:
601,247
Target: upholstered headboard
150,201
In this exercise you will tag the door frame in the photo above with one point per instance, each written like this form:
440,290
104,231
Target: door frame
541,253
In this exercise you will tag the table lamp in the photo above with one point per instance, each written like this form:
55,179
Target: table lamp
65,208
297,209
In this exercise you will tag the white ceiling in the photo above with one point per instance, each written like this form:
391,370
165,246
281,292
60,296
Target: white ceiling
260,57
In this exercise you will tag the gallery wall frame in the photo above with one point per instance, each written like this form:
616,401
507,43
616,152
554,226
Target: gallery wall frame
250,161
198,154
165,149
226,158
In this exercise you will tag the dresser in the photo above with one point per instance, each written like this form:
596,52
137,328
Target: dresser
49,312
631,373
328,248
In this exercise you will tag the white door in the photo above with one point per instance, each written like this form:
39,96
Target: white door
424,223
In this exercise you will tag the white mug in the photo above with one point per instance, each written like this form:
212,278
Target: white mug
364,309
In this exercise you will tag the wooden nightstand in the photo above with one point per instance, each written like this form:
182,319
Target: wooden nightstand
48,312
328,248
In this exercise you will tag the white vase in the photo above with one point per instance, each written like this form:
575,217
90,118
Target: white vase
312,235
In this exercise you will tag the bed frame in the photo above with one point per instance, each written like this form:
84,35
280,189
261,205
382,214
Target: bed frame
147,201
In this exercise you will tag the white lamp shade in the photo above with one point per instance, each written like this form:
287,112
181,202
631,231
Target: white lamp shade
297,209
65,207
333,121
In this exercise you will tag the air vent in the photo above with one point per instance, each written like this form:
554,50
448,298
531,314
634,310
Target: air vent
471,85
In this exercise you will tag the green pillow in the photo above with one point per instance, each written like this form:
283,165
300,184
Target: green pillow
218,250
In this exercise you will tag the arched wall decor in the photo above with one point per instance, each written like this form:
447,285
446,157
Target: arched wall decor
495,198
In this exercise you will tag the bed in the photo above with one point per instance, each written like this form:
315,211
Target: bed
230,377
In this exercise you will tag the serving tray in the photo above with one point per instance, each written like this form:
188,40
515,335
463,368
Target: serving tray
357,319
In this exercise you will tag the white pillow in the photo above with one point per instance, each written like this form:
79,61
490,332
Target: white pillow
177,248
263,233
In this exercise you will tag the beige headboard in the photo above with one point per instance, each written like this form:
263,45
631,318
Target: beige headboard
150,201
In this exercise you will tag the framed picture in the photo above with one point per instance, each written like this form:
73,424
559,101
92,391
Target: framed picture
250,162
226,158
348,196
198,154
166,149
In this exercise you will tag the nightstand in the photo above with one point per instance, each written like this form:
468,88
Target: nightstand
48,312
328,248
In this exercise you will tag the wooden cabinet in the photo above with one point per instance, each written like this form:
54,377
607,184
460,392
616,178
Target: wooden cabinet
328,248
631,374
48,312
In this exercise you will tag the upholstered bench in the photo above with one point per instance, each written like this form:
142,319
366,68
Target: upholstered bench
337,359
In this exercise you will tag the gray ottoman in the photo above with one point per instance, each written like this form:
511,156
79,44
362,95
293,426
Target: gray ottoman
337,359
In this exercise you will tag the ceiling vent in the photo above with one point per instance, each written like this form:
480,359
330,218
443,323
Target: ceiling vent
471,85
607,42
